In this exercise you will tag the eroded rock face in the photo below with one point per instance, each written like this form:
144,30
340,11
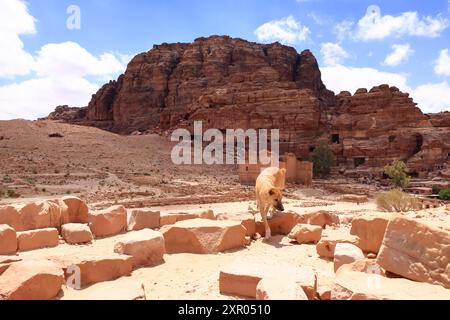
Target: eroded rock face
279,289
37,239
203,236
370,230
108,222
94,268
352,285
346,253
330,238
231,83
8,240
143,219
145,246
44,214
305,233
416,251
162,86
31,280
76,233
242,276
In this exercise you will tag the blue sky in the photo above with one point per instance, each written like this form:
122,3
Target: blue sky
357,43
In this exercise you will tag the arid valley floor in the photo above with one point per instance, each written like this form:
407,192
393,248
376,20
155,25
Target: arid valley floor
104,169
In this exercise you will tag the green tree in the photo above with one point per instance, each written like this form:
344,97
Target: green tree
398,172
323,160
444,194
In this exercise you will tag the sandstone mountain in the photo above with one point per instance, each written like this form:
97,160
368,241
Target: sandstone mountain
232,83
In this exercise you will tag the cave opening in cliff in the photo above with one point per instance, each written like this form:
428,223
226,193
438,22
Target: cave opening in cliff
359,161
312,148
419,143
335,138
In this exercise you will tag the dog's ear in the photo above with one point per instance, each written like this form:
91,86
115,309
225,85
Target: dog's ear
282,171
273,191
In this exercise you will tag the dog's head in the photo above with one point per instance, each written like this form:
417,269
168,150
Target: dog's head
276,196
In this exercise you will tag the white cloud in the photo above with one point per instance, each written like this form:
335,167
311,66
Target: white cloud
286,30
343,29
400,53
14,21
442,66
35,98
373,25
433,97
332,53
57,73
341,78
69,58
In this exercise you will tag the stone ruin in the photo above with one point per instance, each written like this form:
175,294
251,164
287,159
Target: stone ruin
417,253
297,171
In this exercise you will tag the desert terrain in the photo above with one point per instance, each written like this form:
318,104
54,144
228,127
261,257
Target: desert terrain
48,160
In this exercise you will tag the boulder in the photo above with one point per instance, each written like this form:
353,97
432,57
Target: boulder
172,218
123,289
168,218
31,280
280,224
345,253
143,219
37,239
246,219
322,219
145,246
94,268
279,289
108,222
31,216
77,210
8,240
370,230
363,265
6,261
325,247
242,276
416,251
203,236
76,233
305,233
353,285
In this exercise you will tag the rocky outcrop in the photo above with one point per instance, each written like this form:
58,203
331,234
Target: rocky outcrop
230,83
372,128
68,114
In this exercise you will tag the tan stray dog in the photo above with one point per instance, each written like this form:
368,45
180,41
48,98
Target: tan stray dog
269,187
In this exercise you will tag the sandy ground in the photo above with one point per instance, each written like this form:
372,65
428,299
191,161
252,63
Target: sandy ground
193,276
104,169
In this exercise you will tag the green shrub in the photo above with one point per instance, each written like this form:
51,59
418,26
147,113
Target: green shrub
396,200
444,194
323,160
436,189
398,172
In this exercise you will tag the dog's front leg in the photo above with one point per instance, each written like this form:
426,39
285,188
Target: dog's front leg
266,224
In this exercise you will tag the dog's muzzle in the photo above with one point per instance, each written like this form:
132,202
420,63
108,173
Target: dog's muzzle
280,207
